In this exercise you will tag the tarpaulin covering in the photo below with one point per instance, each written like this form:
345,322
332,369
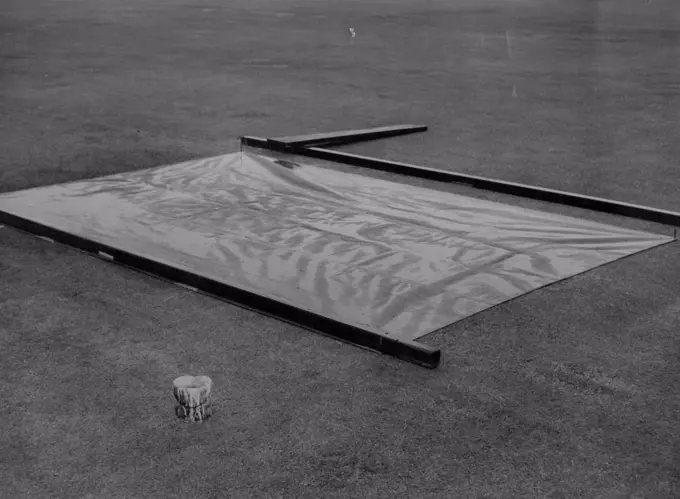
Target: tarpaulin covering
383,256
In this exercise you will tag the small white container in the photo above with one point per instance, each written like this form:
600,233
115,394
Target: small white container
193,397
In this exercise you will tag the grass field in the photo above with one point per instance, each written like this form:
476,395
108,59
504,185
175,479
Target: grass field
570,391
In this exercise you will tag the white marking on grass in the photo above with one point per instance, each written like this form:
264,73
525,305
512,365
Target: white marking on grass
186,286
105,256
264,63
48,239
508,43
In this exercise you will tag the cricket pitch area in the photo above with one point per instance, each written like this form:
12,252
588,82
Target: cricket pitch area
377,263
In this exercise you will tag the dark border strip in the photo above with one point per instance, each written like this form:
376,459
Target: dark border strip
528,191
411,351
346,137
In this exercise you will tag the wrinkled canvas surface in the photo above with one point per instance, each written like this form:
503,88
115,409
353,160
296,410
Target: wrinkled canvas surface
384,256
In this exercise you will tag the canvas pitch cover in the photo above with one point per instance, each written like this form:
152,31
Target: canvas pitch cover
391,260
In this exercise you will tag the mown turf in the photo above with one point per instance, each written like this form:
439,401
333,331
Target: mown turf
571,391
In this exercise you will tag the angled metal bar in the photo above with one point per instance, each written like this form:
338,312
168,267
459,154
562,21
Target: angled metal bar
411,351
347,137
522,190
